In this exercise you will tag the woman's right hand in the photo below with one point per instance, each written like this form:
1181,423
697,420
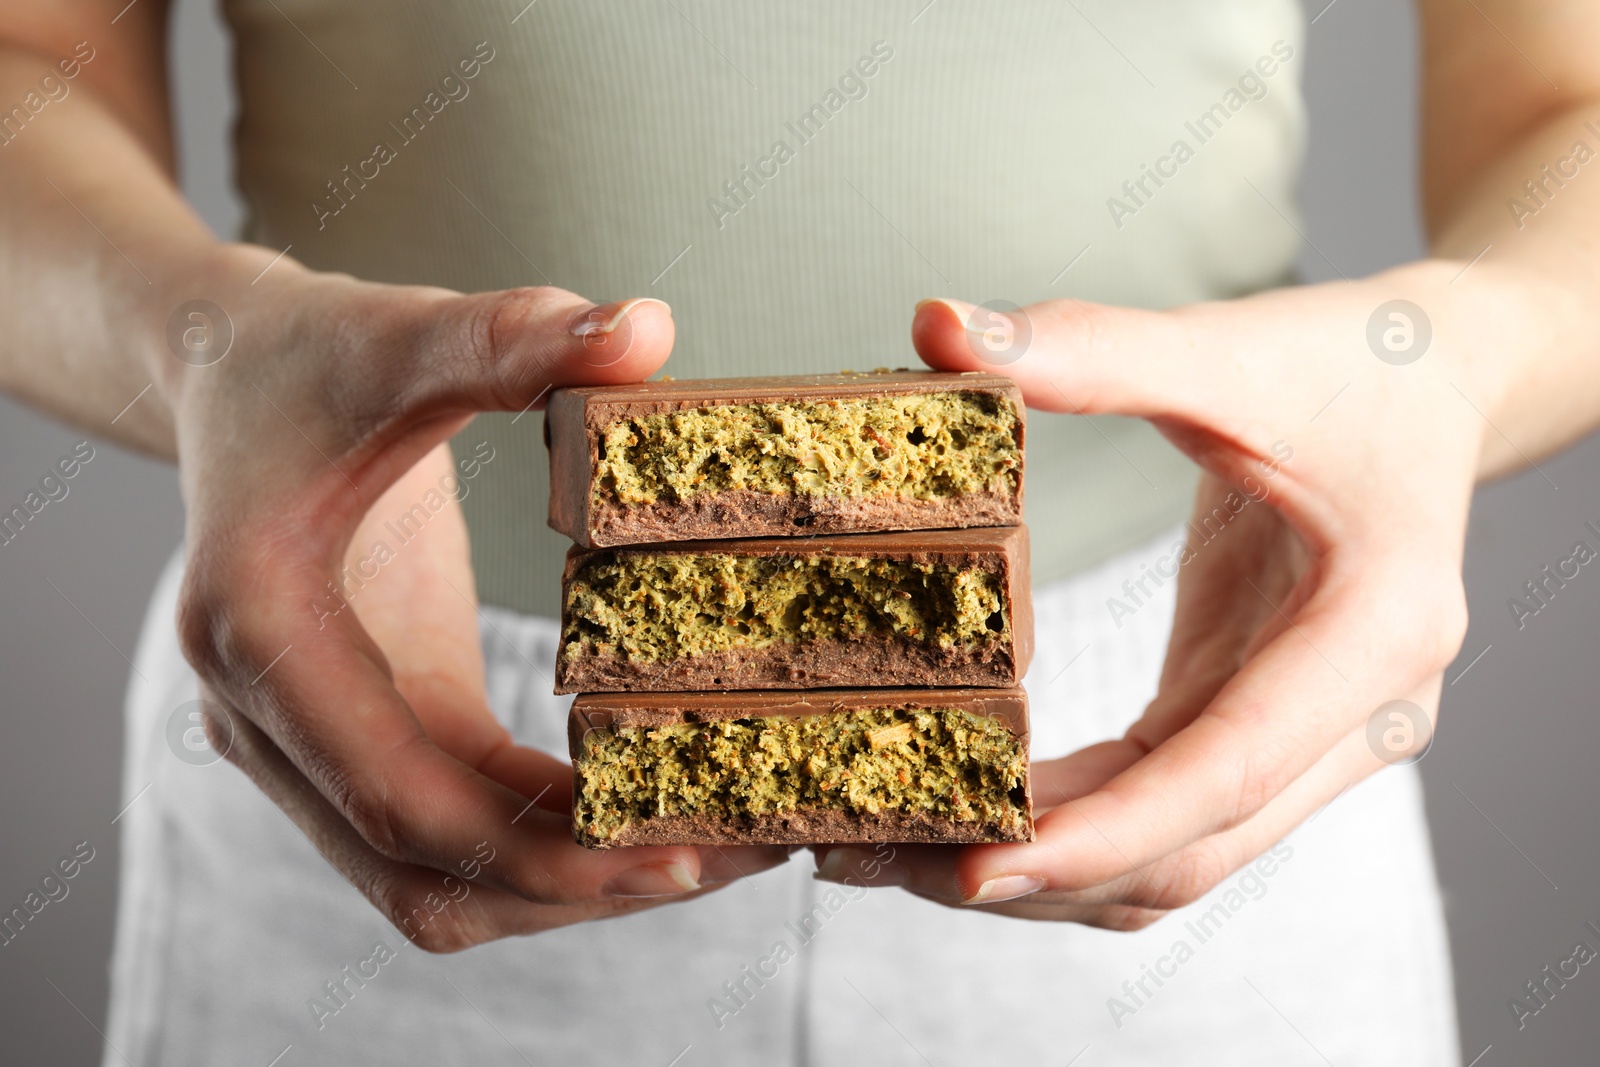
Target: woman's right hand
331,392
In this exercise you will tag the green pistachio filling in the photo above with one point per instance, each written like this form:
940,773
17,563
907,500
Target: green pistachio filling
653,607
925,447
944,762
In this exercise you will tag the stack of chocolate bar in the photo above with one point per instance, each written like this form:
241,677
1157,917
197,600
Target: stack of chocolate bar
797,610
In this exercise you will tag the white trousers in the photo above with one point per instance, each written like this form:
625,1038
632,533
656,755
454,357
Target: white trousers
231,927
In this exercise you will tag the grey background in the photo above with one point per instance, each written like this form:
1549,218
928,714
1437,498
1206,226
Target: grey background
1509,784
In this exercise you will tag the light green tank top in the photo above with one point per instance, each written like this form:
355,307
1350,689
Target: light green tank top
791,178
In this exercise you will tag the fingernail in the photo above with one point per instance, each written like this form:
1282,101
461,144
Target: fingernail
1009,887
962,311
855,866
719,867
653,880
599,319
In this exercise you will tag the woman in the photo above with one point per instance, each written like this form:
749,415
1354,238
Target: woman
792,181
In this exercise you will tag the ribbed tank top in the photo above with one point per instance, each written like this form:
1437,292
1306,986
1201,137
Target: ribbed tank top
791,178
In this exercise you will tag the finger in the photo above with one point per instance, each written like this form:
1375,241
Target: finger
324,696
437,661
429,360
1187,875
931,870
505,351
441,910
1141,895
1219,617
1302,693
1077,357
327,702
531,773
395,372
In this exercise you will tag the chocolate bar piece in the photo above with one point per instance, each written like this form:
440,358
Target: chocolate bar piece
775,457
940,607
814,767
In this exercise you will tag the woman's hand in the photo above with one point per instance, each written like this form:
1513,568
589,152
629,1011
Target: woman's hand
1339,589
357,704
1334,507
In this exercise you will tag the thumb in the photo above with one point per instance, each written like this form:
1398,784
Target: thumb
506,351
428,360
1070,355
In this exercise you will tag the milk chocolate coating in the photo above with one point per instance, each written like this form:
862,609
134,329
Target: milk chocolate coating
576,421
875,660
813,826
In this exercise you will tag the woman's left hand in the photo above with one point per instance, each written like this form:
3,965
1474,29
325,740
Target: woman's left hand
1340,448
